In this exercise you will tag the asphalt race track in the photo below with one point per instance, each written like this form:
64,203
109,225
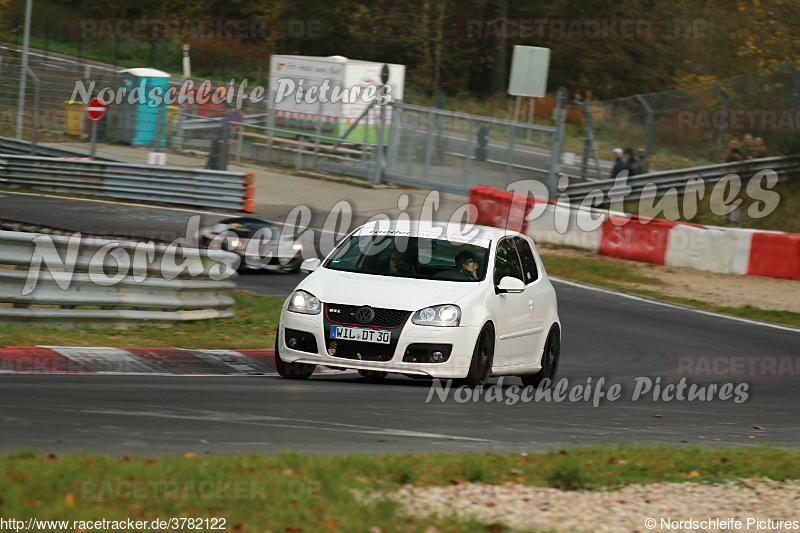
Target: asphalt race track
606,335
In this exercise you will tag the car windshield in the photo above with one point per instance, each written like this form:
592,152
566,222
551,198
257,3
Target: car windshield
412,257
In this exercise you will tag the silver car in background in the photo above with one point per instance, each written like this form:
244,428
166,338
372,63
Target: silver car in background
261,245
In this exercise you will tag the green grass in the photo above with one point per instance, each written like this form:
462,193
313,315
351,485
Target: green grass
253,326
615,275
783,218
598,271
298,492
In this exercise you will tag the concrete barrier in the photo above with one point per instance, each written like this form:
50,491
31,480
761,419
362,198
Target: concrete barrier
776,255
573,228
723,250
657,241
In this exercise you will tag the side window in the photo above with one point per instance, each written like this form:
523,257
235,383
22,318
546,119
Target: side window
506,262
529,271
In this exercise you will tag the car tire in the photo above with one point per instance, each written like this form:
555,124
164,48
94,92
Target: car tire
291,370
480,367
372,374
550,359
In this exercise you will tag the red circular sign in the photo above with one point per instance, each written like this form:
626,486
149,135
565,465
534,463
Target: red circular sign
236,118
96,109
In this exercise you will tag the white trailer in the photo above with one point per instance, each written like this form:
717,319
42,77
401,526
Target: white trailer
330,93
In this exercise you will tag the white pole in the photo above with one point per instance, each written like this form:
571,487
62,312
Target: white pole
23,71
187,65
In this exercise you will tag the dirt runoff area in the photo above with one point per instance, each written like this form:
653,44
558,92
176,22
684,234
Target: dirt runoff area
725,290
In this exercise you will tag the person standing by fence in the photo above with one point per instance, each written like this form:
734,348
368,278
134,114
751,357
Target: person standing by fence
619,164
642,166
630,162
734,154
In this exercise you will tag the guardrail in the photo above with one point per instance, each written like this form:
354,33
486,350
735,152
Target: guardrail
656,183
132,181
60,281
28,227
18,147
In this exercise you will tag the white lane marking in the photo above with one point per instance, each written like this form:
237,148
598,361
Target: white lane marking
315,425
674,306
422,434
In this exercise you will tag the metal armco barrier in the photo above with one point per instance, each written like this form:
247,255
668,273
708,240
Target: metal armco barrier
199,188
654,184
60,281
19,147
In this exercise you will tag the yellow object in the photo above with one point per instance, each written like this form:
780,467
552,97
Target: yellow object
172,111
73,115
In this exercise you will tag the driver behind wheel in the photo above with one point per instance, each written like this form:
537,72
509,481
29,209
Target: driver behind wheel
399,263
467,265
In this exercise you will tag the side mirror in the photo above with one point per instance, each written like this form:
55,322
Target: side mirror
509,284
310,265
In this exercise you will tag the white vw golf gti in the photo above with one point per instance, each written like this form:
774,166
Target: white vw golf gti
424,302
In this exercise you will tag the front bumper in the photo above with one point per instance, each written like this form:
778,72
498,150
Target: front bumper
289,262
462,339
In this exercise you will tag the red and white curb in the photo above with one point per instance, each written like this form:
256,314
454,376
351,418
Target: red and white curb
651,240
171,361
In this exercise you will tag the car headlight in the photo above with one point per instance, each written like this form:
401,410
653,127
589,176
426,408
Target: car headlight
297,247
304,302
235,243
438,315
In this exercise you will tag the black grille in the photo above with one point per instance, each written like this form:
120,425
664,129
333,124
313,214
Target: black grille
384,318
304,342
369,351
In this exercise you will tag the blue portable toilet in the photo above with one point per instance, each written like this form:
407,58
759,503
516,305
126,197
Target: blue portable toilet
140,109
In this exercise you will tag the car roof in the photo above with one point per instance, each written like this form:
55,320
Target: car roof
441,227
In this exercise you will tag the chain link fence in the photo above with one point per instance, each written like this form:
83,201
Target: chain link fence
419,146
46,114
694,126
212,127
456,151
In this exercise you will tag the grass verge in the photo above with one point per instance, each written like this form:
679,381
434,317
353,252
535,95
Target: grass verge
297,492
253,326
602,272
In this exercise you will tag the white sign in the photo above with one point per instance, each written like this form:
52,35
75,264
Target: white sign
529,67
